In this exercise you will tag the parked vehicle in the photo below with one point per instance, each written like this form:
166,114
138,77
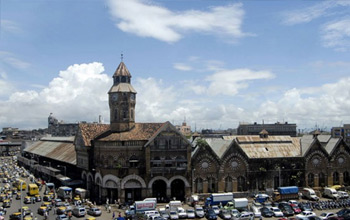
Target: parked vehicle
198,210
94,211
310,194
330,193
238,203
286,193
79,211
326,215
218,198
194,200
210,214
216,209
140,207
256,211
276,212
286,209
225,214
64,192
181,212
266,212
305,214
173,214
190,213
343,195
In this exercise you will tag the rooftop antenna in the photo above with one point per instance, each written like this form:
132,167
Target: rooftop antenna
121,56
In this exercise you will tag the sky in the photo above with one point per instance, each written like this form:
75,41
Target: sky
213,63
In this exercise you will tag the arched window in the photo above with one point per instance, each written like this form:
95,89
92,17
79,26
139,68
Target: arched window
335,178
241,184
322,179
211,185
228,184
310,180
199,185
346,178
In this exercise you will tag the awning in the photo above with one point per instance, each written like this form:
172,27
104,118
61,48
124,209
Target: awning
62,178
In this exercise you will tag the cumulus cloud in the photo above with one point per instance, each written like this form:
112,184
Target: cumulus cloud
229,82
79,93
150,20
337,34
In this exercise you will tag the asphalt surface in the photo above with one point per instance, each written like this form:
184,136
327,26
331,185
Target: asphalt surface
16,204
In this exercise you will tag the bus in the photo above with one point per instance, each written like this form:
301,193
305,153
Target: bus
33,189
19,183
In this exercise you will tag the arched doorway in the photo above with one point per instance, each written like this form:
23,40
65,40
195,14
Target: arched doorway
133,191
310,180
178,190
335,178
112,191
159,190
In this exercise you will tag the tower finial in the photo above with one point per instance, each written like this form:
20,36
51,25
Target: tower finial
121,56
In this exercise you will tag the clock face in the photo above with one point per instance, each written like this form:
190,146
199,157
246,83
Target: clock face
341,160
316,161
115,96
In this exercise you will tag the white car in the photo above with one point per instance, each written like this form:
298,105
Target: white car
304,214
199,211
173,215
235,213
216,209
181,212
190,213
276,212
326,215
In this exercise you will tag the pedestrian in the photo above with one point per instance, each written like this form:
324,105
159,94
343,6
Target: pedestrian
113,215
109,209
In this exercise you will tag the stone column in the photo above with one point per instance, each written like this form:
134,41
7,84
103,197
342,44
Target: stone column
145,193
221,185
168,193
122,195
330,179
205,186
341,179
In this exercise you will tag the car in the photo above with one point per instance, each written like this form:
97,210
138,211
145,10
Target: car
266,212
286,209
173,214
94,212
276,212
293,202
305,214
216,209
181,212
198,210
62,217
210,214
225,214
344,213
163,213
246,215
190,213
326,215
305,207
235,213
42,210
295,208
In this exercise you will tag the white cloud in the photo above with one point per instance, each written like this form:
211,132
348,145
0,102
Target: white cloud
79,93
10,26
182,67
229,82
10,59
308,14
337,35
149,20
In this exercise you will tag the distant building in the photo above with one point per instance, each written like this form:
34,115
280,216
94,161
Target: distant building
343,132
273,129
61,129
184,128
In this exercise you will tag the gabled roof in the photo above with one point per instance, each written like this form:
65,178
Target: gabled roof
56,148
90,130
306,142
332,144
122,70
141,132
218,145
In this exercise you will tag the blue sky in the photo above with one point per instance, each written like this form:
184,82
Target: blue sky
217,63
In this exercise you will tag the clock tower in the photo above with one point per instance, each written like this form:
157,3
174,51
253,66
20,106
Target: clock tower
122,100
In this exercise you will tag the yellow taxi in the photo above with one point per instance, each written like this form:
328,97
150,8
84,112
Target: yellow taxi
61,210
42,210
6,203
15,216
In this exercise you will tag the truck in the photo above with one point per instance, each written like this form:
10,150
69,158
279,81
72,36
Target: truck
219,199
286,193
82,193
237,203
139,207
310,194
330,193
64,192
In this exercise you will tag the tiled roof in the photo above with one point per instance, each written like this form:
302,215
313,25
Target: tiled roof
141,131
90,130
122,70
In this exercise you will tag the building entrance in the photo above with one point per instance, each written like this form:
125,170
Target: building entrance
133,191
159,191
178,190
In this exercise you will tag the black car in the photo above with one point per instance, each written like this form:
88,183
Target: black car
344,213
210,214
266,212
286,209
305,207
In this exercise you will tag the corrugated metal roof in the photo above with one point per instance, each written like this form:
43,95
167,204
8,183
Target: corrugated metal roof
68,139
57,150
257,138
324,138
218,145
272,150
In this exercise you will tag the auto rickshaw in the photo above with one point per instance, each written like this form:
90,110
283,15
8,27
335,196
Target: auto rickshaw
26,210
47,204
90,218
61,210
15,216
28,217
2,197
27,200
18,195
42,210
6,203
37,198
